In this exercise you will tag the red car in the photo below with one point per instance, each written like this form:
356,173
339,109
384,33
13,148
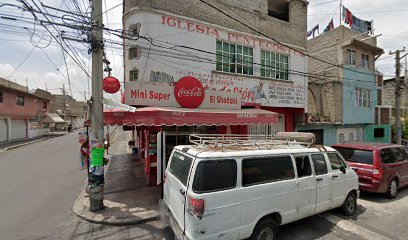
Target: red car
381,168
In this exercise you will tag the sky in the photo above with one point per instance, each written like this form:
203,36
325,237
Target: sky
29,56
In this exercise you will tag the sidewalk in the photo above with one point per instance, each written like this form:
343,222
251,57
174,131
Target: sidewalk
127,197
19,143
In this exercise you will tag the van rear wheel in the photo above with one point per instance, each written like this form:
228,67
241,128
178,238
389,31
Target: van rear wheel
392,189
350,204
265,230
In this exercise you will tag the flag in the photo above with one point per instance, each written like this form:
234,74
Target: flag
309,33
347,16
330,26
355,22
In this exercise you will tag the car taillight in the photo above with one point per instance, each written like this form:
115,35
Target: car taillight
377,173
195,207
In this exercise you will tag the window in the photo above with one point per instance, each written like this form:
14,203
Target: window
133,53
44,104
279,9
268,169
235,58
319,164
134,29
274,65
363,97
20,100
399,154
180,167
1,96
387,156
335,161
303,166
134,75
351,54
216,175
364,61
355,155
379,132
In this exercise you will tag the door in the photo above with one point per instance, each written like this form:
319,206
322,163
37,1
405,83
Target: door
323,182
306,186
176,185
401,161
405,150
392,164
3,130
341,182
18,129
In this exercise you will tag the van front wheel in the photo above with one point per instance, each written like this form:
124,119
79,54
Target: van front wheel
265,230
350,204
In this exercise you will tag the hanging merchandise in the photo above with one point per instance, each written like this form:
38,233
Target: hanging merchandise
330,26
312,32
356,23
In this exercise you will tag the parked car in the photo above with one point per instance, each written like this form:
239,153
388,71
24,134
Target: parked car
381,168
248,192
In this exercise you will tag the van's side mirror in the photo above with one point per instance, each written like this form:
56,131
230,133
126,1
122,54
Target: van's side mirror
343,169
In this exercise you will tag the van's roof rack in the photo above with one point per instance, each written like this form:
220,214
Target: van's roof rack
259,141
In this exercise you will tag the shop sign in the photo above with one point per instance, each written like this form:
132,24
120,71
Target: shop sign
190,96
189,92
111,85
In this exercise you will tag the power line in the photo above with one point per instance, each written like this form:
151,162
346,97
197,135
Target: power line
279,42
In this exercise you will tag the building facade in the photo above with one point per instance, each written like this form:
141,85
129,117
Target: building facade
343,87
239,68
72,111
23,113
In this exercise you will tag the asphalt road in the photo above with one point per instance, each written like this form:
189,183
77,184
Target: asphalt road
39,183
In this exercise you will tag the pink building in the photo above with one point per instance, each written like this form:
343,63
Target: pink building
23,113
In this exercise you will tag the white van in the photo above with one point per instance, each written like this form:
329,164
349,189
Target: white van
247,189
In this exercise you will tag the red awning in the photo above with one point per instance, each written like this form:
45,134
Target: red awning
169,116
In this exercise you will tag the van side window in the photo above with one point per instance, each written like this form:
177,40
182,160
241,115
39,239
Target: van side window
387,156
266,169
398,154
215,175
180,166
303,166
319,164
335,161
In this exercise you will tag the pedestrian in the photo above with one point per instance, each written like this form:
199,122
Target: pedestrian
85,155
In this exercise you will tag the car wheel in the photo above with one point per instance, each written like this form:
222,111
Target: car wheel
265,230
392,189
350,204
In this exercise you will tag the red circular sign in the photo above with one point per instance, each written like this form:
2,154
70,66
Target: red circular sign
111,85
189,92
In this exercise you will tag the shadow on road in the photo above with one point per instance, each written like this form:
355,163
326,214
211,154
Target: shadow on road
381,198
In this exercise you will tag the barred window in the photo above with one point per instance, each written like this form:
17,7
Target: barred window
274,65
235,58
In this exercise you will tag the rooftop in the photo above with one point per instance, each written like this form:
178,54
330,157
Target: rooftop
365,146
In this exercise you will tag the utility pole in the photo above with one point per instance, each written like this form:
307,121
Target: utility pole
96,181
64,102
398,88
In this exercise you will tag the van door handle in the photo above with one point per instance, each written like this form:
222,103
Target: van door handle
319,179
334,176
182,192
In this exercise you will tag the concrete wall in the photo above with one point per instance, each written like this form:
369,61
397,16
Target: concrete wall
252,12
32,106
353,114
331,131
369,134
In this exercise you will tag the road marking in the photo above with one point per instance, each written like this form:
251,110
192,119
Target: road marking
354,228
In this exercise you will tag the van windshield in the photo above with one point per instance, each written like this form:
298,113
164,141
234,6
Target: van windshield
180,166
355,155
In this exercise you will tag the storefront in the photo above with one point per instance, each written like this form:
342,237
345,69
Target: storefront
205,78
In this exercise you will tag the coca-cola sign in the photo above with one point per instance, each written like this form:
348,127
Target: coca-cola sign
189,92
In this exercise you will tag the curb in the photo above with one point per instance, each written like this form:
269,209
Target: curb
23,144
81,209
